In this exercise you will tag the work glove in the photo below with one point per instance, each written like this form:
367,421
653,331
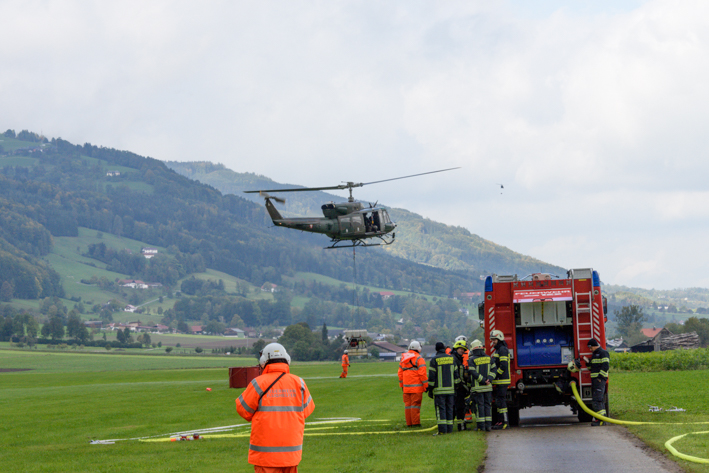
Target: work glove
430,394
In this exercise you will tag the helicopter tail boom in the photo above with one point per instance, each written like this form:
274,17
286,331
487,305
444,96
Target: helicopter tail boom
272,210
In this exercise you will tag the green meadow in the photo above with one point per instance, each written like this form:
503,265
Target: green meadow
51,413
64,400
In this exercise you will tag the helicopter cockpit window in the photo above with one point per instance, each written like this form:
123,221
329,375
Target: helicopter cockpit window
372,221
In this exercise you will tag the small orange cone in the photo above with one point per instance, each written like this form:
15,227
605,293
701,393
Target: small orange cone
209,389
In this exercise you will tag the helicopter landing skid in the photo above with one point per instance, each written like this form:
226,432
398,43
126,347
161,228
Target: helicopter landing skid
359,243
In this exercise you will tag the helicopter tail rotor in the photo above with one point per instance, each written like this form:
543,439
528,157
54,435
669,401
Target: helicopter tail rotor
280,200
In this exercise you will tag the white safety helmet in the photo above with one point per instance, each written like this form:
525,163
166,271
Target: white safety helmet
572,367
416,346
346,352
461,337
273,352
497,335
476,345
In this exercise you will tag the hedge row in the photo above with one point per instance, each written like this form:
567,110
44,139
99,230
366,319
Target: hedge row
671,360
89,343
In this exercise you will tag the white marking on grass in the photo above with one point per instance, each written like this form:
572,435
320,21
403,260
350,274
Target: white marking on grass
353,376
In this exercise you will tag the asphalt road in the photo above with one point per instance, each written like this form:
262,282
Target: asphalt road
550,440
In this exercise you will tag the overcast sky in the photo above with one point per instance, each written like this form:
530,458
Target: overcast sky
592,114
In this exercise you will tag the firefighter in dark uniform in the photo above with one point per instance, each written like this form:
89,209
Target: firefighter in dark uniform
480,387
599,364
462,389
501,378
442,380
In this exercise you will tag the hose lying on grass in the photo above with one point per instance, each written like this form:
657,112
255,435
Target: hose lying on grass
668,444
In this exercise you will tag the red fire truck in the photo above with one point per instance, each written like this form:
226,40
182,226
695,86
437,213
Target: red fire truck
547,321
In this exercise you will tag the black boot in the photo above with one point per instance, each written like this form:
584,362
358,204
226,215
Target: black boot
501,425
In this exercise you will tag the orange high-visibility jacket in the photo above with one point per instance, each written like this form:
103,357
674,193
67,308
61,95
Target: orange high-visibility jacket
277,418
345,360
413,376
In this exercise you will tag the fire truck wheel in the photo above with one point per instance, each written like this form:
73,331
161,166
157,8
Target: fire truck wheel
513,415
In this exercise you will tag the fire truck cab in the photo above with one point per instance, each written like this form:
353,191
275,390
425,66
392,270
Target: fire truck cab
547,321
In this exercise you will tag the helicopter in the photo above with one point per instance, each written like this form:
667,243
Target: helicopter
348,224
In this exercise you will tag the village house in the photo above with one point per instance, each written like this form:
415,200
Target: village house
655,336
269,287
386,294
149,252
113,173
388,351
133,283
234,332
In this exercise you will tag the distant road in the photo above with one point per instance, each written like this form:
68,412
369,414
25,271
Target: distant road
551,440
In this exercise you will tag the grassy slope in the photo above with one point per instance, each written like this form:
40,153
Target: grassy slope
47,428
66,258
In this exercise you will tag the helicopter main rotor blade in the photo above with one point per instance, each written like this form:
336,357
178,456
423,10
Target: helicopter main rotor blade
304,189
346,185
406,177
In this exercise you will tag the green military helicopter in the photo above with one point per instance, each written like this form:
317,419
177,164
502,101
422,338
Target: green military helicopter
348,224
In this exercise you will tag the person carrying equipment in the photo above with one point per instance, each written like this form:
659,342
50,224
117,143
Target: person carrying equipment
277,404
501,378
345,363
599,365
462,390
442,379
413,379
481,389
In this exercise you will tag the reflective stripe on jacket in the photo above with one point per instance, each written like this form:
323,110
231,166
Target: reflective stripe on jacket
501,361
442,375
479,371
277,418
412,372
600,363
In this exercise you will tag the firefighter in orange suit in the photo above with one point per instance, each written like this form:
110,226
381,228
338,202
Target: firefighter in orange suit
276,403
345,364
413,379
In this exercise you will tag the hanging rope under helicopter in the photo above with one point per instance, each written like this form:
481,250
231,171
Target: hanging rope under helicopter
355,296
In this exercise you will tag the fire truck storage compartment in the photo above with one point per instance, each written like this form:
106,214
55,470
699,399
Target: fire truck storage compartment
541,313
544,346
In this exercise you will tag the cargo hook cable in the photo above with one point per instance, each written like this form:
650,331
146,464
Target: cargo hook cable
668,444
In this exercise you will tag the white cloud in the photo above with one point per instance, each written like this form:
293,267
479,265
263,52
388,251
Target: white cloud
590,113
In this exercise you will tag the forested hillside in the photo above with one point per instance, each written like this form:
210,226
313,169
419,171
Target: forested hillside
52,188
417,239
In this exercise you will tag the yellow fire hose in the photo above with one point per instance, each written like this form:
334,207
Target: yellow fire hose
668,444
308,433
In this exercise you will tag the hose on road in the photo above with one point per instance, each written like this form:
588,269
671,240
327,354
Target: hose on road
668,444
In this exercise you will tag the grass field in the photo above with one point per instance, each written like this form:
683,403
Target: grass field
632,393
50,414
